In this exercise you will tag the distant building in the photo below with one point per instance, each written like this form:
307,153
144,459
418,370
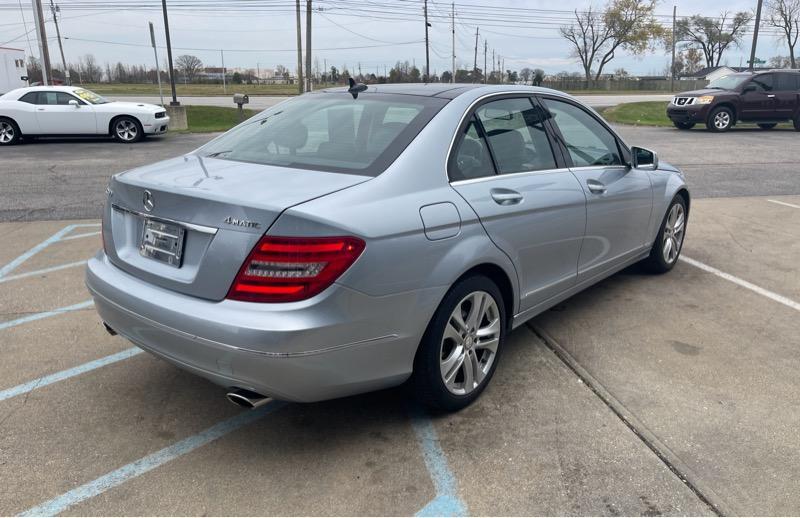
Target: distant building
12,69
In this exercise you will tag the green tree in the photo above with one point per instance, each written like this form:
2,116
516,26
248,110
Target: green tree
237,78
538,76
712,36
597,36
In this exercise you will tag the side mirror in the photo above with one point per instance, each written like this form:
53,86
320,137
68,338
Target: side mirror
642,158
74,103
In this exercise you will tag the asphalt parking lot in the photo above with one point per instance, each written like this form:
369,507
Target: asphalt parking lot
645,395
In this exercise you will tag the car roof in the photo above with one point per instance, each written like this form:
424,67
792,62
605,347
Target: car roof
442,90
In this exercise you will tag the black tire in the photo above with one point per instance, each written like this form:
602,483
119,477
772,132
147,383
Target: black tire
683,125
427,380
127,130
656,262
768,126
9,132
725,114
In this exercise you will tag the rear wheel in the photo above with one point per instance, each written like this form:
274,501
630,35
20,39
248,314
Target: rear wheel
9,132
127,129
460,349
720,119
669,242
768,126
684,125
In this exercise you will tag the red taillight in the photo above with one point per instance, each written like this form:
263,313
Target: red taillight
288,269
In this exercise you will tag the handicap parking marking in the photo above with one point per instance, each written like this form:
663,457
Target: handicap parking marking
743,283
41,272
46,314
140,467
778,202
44,381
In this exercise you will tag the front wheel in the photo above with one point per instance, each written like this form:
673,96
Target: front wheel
683,125
461,347
768,126
669,242
720,119
127,130
9,132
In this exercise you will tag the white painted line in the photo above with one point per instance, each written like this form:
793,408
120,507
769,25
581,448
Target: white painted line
5,270
45,314
784,203
30,386
42,271
140,467
743,283
79,236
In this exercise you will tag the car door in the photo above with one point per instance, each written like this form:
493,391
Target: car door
57,117
619,199
787,95
758,99
506,166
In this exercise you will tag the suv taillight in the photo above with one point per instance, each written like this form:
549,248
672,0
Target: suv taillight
288,269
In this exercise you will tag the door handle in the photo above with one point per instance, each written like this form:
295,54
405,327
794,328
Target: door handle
596,187
39,109
506,196
771,96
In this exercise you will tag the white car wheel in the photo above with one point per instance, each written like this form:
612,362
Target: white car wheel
127,129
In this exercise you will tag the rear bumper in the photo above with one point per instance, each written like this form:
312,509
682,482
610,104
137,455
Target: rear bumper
694,114
339,343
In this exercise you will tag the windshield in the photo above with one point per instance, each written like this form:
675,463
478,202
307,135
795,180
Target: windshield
329,132
729,82
90,97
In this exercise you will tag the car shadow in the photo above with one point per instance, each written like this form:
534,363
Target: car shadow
81,140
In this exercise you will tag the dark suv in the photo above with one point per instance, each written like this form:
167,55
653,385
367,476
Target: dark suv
764,98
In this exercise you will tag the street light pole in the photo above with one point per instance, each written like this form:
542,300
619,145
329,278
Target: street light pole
755,35
174,101
672,66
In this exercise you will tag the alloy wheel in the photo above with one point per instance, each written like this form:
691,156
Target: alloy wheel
126,130
469,344
674,229
6,133
722,120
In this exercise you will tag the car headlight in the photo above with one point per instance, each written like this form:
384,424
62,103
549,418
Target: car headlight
706,99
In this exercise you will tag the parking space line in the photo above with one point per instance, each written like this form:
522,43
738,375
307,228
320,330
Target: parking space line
743,283
784,203
44,381
43,270
130,471
5,270
447,501
79,236
45,314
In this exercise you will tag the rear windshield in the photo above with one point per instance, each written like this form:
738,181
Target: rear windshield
329,132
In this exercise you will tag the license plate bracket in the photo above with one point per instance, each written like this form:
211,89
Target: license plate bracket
162,242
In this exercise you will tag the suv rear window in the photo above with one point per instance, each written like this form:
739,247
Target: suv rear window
329,132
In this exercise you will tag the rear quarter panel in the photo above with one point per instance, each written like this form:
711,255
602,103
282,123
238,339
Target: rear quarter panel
23,114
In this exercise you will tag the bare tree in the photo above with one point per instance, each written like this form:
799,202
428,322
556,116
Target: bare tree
712,36
597,36
189,66
785,16
526,74
90,70
538,76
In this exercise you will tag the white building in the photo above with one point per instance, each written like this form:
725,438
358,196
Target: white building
12,69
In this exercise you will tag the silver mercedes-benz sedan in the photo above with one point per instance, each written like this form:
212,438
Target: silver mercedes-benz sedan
354,239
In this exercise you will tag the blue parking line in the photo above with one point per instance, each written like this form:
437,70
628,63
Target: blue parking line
5,270
30,386
45,314
41,272
140,467
447,501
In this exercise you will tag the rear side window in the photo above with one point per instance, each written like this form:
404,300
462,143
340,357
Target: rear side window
30,97
588,142
763,82
472,158
330,132
516,134
788,82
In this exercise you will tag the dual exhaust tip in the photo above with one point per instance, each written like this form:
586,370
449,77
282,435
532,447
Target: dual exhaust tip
247,399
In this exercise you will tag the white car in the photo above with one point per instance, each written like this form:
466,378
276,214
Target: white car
65,110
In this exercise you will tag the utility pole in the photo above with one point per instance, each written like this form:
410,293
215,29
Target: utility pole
41,34
485,49
453,23
174,101
299,50
674,43
475,62
55,9
427,49
155,54
308,46
224,81
755,35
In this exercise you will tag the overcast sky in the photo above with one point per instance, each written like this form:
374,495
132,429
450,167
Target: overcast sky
266,37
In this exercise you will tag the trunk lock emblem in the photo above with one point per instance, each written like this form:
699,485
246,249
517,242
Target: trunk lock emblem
147,201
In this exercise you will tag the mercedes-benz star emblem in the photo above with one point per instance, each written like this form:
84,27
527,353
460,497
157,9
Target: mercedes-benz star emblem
147,200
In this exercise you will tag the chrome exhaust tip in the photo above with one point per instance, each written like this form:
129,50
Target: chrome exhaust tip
247,399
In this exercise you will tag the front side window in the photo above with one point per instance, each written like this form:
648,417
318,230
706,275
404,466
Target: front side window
763,83
54,98
516,134
588,142
329,132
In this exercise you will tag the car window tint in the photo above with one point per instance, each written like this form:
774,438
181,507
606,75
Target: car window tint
30,98
516,134
48,98
472,158
63,98
788,82
763,82
589,142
